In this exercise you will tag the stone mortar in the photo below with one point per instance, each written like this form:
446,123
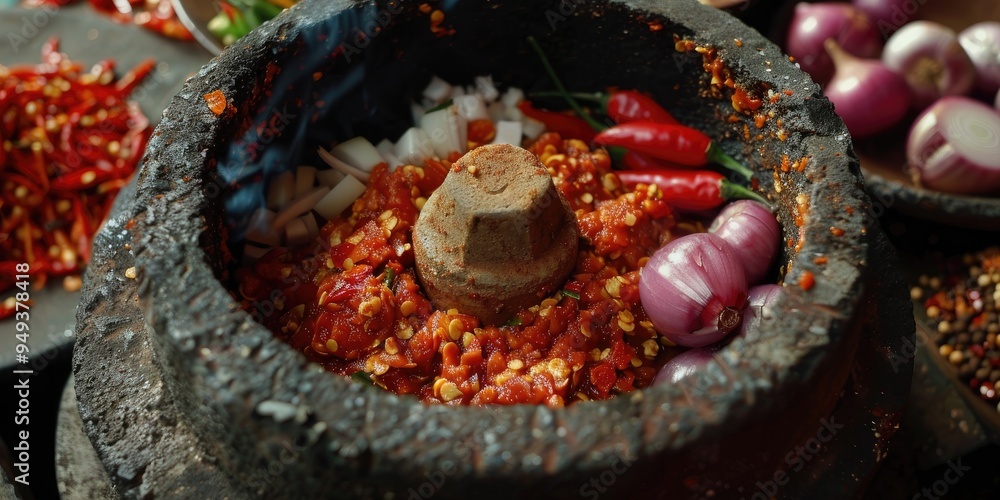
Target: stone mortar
213,403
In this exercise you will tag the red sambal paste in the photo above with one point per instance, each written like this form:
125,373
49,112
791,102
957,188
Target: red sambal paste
357,305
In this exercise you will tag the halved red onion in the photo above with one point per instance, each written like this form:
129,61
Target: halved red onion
954,146
814,23
694,290
759,301
867,95
982,42
752,231
931,60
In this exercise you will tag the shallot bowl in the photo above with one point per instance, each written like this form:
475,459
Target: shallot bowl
263,421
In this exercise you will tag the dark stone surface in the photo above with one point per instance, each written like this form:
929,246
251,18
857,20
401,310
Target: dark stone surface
212,402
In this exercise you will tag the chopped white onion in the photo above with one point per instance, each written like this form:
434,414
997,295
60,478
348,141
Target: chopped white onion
339,198
296,233
358,153
471,107
437,90
384,146
512,97
343,167
311,224
485,87
260,231
305,177
457,91
413,147
531,127
281,190
448,131
302,204
330,177
508,133
513,114
496,110
392,161
417,111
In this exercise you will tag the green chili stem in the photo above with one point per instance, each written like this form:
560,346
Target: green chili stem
733,191
716,155
561,88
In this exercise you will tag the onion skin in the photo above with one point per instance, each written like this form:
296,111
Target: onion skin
931,60
694,290
867,95
683,365
753,233
814,23
981,42
759,302
954,146
887,15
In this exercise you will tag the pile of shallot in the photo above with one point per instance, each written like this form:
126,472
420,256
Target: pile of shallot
923,69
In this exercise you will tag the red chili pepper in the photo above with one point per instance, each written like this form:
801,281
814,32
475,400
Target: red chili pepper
636,161
690,189
569,127
627,106
671,142
129,81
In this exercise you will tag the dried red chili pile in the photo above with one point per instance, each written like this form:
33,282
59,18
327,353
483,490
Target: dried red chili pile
155,15
70,140
357,307
962,306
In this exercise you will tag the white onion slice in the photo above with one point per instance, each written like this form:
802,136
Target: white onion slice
358,153
281,190
413,147
296,233
437,90
486,88
330,177
448,131
339,198
513,114
343,167
954,146
302,204
471,107
305,178
508,133
496,111
260,228
512,97
532,128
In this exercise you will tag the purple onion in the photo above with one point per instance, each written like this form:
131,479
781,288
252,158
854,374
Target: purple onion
752,231
683,365
931,60
981,42
694,290
759,301
814,23
867,95
887,15
954,146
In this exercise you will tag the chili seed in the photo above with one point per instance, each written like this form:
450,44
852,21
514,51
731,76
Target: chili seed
331,345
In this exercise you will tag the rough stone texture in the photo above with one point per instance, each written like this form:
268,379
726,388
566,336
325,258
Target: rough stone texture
205,367
79,471
496,236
